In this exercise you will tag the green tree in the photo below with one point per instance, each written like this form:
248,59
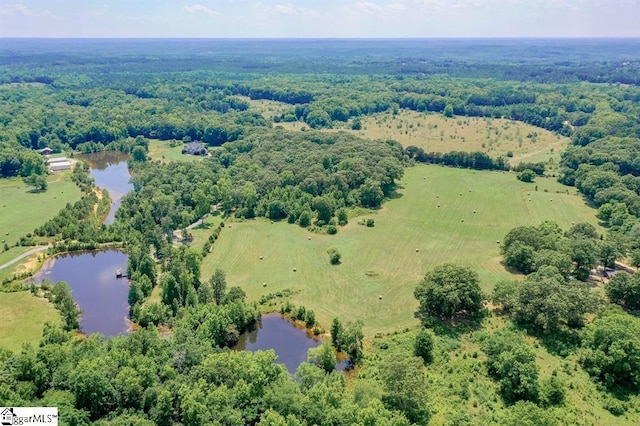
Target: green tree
218,283
139,154
505,293
336,333
351,339
584,254
423,345
612,351
405,388
371,194
448,290
448,111
39,182
624,289
334,256
324,208
135,294
527,175
512,363
324,356
549,304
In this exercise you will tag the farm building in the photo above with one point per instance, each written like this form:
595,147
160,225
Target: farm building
58,164
194,148
46,151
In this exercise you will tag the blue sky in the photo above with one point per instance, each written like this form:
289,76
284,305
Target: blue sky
320,18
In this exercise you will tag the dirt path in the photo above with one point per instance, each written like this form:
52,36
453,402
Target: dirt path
23,255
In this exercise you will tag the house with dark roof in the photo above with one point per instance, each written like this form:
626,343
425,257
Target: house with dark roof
194,148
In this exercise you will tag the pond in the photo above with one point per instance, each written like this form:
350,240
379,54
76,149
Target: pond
101,296
110,171
275,332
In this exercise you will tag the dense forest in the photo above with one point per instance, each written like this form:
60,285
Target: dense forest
177,368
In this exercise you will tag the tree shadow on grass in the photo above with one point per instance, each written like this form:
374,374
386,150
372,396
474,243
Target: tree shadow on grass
458,325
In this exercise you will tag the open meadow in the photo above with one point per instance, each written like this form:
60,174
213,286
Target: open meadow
430,222
23,317
165,151
21,210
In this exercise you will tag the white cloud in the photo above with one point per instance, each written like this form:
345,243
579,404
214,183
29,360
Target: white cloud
14,9
367,6
199,8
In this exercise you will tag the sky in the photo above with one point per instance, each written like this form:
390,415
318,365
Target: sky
319,18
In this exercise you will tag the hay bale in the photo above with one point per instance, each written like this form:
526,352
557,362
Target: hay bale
475,211
309,238
260,257
461,220
417,250
438,205
264,284
497,241
295,269
380,297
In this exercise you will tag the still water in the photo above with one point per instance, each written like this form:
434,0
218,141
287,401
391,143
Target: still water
101,296
110,171
275,332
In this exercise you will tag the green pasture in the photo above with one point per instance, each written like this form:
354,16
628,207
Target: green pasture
164,151
411,235
23,317
21,210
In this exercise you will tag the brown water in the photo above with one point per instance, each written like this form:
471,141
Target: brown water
101,296
110,171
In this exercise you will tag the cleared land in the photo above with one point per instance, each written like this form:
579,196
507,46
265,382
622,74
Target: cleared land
23,317
164,151
21,211
383,261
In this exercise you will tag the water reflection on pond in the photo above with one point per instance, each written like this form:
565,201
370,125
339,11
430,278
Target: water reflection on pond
275,332
101,296
110,171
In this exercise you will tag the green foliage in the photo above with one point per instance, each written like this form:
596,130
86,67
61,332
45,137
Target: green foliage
423,345
624,289
334,256
218,283
612,351
527,175
505,293
552,391
447,291
405,388
39,182
548,304
370,223
512,363
324,356
62,298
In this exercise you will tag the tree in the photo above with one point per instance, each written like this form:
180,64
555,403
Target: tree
218,283
527,175
612,351
324,356
234,295
505,293
608,253
549,304
351,340
139,154
635,258
423,345
324,208
520,257
336,333
135,294
39,182
584,255
448,111
334,256
448,290
624,289
371,194
405,388
512,362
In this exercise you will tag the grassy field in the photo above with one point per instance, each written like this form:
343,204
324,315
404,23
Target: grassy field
21,211
434,132
23,317
383,261
164,152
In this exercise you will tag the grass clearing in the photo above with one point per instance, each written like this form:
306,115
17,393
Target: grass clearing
21,211
435,132
166,151
383,261
23,317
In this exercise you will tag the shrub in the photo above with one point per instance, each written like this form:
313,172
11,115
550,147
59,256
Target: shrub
332,230
370,223
334,256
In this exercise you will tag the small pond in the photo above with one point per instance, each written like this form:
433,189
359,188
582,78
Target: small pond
110,171
101,296
275,332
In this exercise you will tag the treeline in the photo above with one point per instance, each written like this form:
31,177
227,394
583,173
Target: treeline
18,161
467,160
